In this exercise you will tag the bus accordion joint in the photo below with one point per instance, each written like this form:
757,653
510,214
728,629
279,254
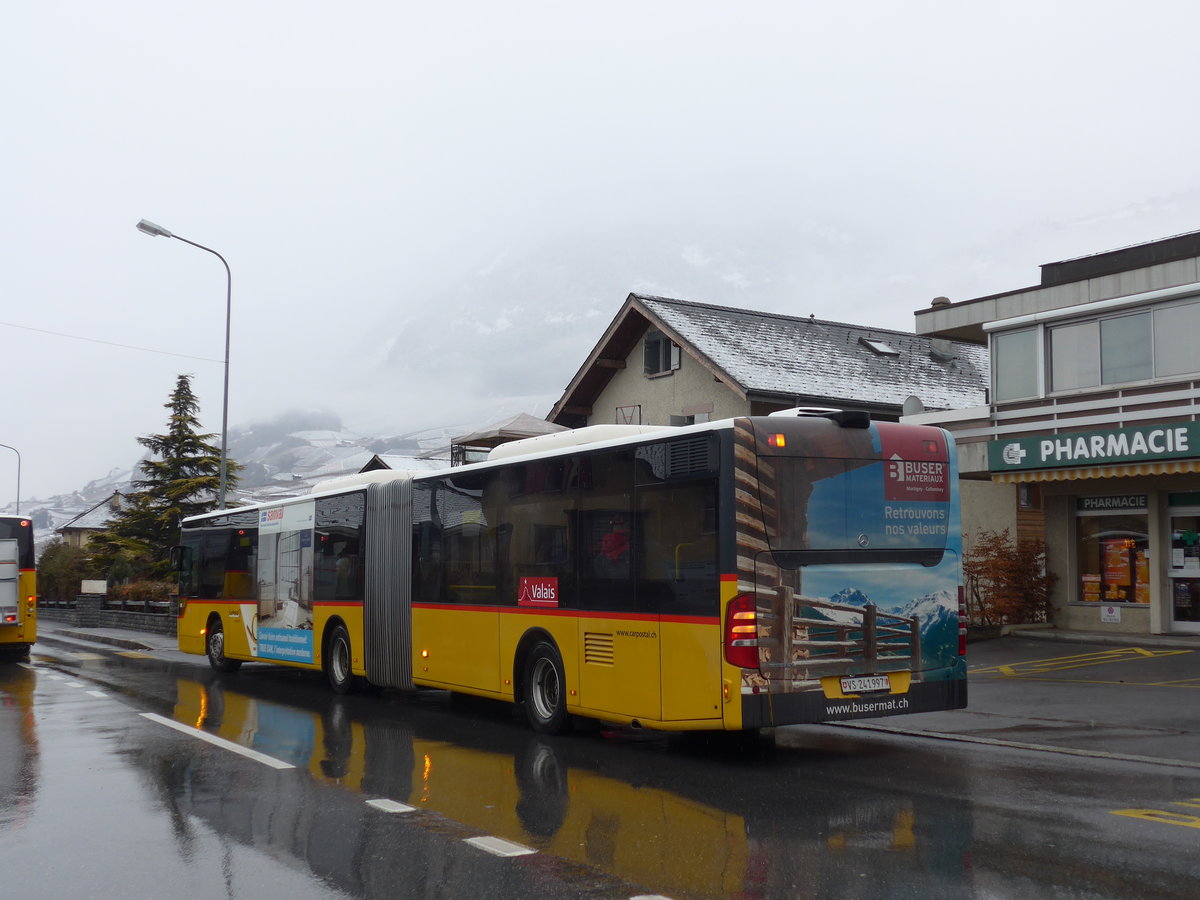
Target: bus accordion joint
741,632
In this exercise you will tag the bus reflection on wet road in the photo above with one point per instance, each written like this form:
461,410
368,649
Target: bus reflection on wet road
821,813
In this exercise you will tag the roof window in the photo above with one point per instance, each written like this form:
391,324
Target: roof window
879,348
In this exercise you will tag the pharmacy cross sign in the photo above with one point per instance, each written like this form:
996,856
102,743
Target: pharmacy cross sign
1174,440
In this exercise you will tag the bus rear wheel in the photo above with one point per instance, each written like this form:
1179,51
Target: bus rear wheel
546,690
338,661
214,646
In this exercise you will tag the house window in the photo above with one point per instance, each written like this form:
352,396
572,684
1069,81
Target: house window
1075,356
1015,364
1175,329
1126,351
661,353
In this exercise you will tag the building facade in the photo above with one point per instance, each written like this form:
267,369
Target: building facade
1093,418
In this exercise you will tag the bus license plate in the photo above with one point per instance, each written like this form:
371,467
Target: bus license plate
865,684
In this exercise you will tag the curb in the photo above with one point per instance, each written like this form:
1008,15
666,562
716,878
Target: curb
87,638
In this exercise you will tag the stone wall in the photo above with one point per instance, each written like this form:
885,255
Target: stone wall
89,612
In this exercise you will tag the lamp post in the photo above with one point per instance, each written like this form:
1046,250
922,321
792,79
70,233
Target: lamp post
147,227
18,452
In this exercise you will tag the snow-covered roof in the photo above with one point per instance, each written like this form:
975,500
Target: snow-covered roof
810,357
93,519
798,360
519,426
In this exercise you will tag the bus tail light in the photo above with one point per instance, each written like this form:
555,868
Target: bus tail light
741,632
962,621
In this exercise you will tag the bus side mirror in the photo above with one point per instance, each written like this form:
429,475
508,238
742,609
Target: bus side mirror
181,558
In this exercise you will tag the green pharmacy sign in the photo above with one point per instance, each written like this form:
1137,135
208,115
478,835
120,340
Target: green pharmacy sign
1146,443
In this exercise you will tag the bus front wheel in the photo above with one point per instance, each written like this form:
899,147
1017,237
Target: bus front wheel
546,690
338,662
214,645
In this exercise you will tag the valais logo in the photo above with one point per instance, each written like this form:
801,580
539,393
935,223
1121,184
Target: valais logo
538,592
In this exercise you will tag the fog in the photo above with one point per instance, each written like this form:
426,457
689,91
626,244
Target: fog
431,212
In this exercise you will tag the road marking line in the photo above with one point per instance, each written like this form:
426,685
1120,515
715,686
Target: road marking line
135,654
73,684
97,694
390,806
499,847
86,655
1079,661
1161,816
1016,745
219,742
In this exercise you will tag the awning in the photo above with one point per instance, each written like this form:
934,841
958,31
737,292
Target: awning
1121,470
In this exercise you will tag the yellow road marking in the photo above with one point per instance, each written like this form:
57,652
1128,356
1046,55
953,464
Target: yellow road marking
135,654
1163,816
1080,661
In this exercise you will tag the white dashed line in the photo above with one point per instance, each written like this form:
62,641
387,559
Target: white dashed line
390,806
74,684
219,742
499,847
97,694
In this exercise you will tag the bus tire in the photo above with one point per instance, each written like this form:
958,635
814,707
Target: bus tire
338,660
546,690
214,647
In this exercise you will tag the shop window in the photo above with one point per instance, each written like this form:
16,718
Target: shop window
1029,497
1184,564
1113,553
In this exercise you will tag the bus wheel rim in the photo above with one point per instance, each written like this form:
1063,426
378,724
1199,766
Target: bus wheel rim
545,688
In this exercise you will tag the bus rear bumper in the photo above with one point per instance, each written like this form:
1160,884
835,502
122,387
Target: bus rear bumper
807,707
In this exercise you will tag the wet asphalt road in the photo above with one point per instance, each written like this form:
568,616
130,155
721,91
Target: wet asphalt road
106,792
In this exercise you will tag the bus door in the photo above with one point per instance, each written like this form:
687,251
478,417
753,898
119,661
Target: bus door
618,631
284,625
677,577
10,571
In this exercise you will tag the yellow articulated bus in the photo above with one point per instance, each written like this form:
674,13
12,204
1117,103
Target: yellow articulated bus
18,588
732,575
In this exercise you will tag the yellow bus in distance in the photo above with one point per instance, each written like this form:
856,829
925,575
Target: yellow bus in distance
18,588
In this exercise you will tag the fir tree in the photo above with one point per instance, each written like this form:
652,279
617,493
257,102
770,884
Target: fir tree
180,478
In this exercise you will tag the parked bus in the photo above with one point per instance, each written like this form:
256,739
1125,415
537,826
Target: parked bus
732,575
18,588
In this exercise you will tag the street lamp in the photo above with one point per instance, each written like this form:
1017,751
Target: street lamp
18,452
147,227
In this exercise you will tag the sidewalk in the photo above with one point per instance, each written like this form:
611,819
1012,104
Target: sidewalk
1101,696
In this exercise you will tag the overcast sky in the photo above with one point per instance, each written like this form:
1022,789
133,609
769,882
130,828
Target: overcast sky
432,211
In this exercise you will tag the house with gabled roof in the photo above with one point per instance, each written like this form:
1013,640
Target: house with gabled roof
676,362
79,530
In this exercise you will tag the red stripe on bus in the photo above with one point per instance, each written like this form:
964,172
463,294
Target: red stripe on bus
572,613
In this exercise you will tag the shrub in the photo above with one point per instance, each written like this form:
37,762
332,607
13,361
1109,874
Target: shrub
61,568
1007,582
140,593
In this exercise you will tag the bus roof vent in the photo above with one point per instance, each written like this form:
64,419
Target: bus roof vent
847,418
690,457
